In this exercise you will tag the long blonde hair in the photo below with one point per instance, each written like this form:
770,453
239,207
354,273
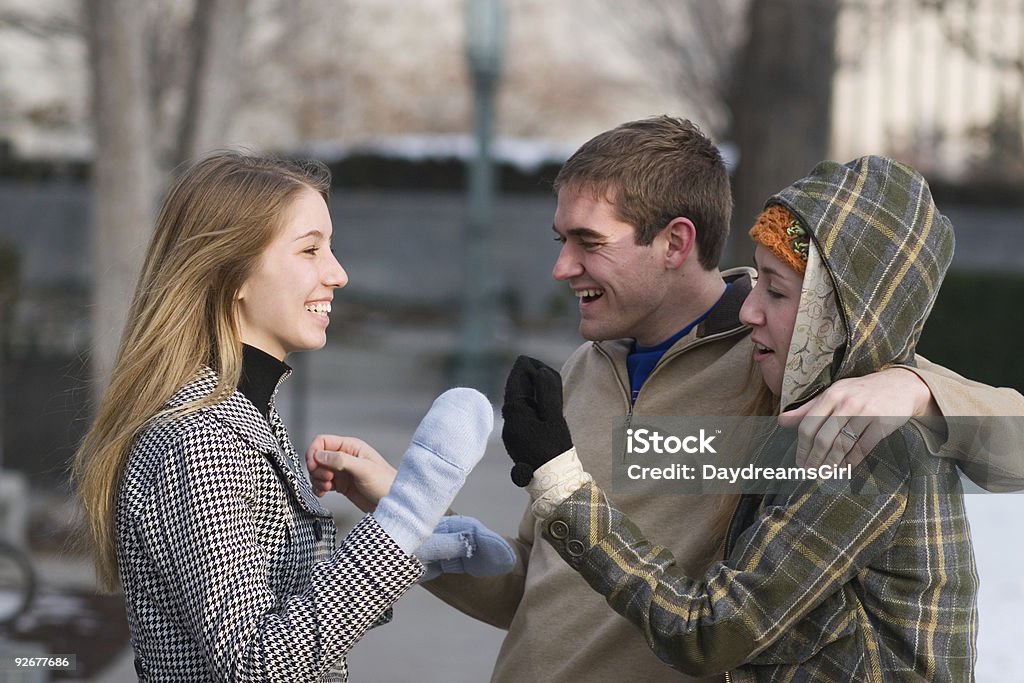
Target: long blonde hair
216,220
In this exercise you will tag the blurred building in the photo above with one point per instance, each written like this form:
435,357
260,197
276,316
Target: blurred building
939,85
379,89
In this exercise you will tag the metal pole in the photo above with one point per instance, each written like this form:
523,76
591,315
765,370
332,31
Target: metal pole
484,47
3,391
10,268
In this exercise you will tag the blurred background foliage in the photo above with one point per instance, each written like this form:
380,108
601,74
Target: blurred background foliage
976,327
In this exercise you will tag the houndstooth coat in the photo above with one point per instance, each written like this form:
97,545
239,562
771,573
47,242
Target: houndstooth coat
228,559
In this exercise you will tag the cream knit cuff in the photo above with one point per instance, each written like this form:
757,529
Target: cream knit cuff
554,481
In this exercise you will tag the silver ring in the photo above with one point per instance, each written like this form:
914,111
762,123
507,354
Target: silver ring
847,432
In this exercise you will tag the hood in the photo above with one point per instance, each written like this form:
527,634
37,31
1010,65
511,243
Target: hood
880,249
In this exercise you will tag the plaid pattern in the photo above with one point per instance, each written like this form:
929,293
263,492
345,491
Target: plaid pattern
228,559
820,584
883,212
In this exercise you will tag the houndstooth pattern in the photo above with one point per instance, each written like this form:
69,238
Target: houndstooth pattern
228,560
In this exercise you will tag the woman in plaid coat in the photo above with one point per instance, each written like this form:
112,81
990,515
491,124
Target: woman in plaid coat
866,579
196,500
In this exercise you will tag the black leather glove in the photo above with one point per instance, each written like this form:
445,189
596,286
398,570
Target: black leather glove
535,430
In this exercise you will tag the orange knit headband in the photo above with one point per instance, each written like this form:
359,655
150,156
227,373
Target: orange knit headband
778,230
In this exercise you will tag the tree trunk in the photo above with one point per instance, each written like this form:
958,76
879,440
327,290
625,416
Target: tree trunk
211,92
781,105
123,170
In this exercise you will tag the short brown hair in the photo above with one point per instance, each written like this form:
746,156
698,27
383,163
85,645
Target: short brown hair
654,170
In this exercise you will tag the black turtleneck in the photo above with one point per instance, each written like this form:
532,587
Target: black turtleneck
260,374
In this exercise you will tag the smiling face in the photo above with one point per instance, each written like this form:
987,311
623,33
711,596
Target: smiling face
623,288
770,310
284,304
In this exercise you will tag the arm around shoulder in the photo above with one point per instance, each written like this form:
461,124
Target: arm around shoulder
984,427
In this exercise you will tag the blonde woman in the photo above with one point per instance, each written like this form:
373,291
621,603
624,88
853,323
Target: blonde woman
196,499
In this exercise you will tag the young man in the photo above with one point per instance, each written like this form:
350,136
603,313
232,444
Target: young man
643,213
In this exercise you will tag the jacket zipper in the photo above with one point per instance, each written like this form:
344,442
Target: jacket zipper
698,343
623,387
663,361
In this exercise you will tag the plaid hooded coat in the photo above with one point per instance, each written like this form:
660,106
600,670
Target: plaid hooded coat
821,583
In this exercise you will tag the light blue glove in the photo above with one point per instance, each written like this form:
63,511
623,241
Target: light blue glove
447,444
463,545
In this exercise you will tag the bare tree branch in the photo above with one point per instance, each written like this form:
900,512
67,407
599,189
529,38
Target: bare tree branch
217,30
46,26
170,51
689,45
